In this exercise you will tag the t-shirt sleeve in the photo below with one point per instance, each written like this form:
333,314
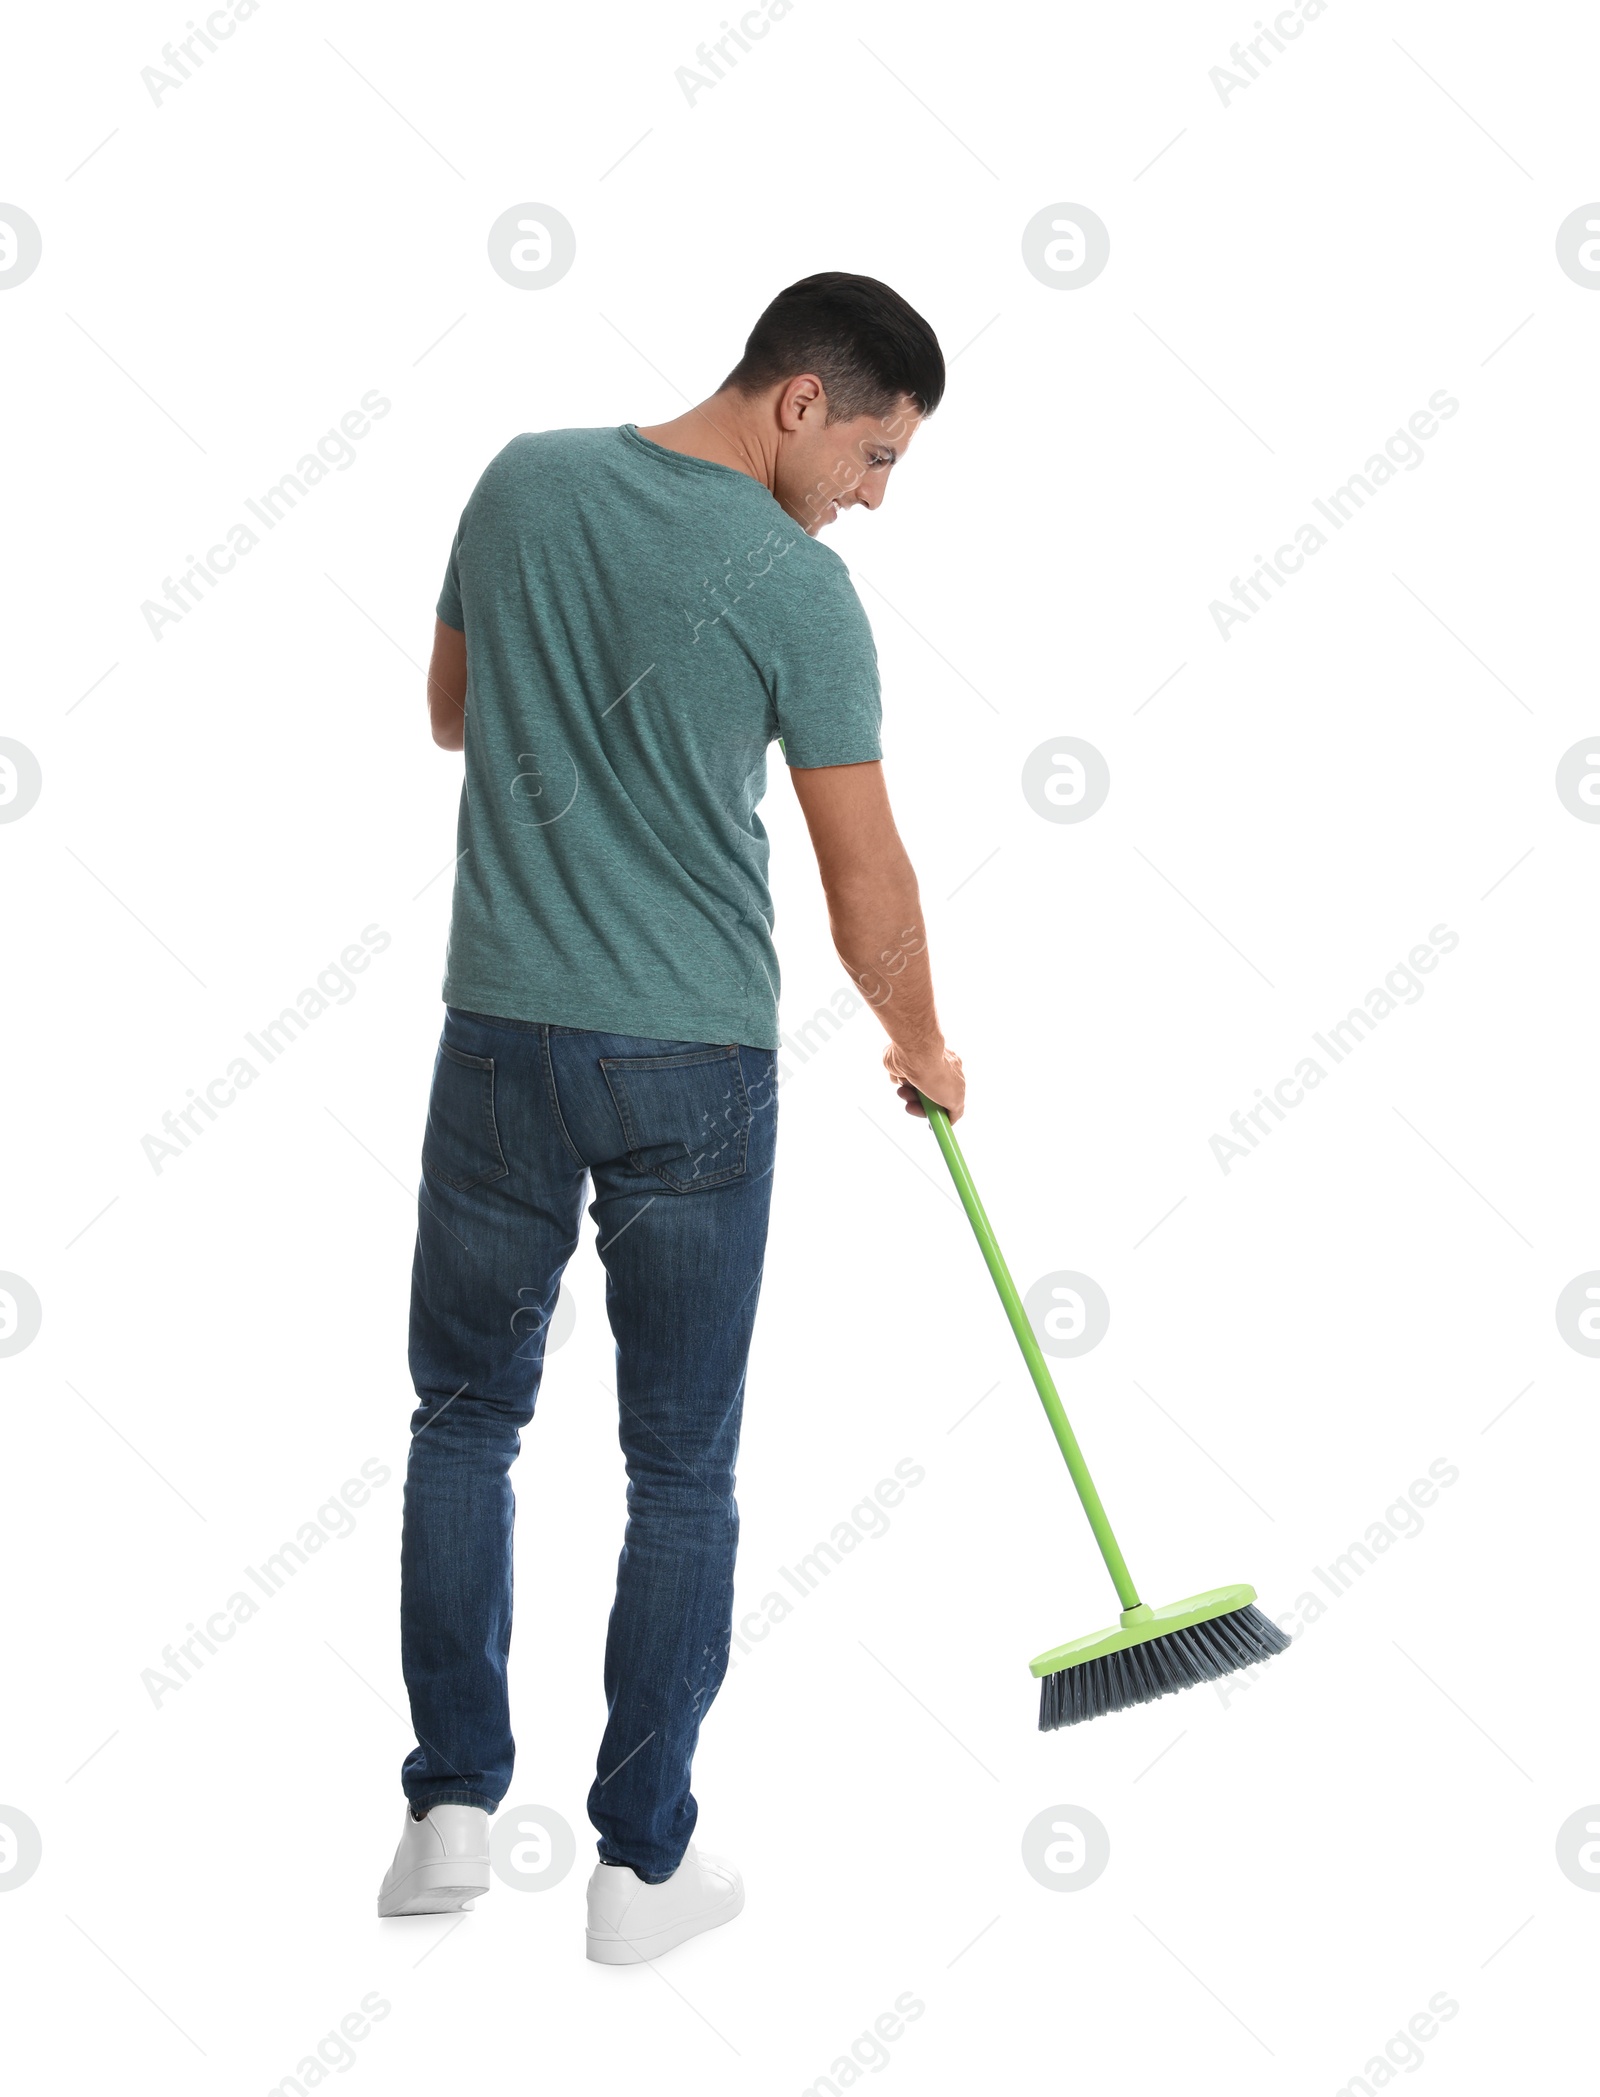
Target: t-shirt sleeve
824,674
449,606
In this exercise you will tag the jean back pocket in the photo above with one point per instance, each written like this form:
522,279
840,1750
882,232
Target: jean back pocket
461,1148
685,1117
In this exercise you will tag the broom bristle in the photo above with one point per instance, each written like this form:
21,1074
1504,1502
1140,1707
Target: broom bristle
1158,1667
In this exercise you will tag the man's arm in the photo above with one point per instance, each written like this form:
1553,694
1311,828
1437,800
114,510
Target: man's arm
447,687
875,916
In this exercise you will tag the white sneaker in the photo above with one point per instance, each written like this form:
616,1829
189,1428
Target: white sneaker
442,1863
631,1921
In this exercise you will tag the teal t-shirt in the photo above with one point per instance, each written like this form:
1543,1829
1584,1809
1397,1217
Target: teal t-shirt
640,626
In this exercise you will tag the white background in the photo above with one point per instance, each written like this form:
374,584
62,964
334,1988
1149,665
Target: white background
1313,1856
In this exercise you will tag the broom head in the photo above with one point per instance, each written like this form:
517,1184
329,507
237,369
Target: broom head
1153,1653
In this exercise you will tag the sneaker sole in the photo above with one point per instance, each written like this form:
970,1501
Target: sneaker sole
608,1950
437,1889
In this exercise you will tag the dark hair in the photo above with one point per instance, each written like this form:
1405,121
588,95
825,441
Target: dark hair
868,347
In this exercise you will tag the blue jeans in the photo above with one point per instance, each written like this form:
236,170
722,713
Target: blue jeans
678,1138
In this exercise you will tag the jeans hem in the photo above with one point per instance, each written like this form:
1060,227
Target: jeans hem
454,1798
638,1874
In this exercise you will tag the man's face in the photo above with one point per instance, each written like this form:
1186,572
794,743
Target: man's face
825,467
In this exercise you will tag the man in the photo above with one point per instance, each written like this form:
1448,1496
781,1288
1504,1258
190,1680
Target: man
628,619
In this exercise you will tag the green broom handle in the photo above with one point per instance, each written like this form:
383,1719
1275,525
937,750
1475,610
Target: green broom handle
1044,1382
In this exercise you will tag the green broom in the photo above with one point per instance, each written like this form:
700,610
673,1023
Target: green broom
1149,1653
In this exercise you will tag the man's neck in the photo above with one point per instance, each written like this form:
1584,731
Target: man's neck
723,430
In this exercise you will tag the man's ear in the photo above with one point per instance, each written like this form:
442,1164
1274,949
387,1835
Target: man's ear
802,400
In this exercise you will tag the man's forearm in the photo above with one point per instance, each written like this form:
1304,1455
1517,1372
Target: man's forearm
878,934
875,916
447,687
